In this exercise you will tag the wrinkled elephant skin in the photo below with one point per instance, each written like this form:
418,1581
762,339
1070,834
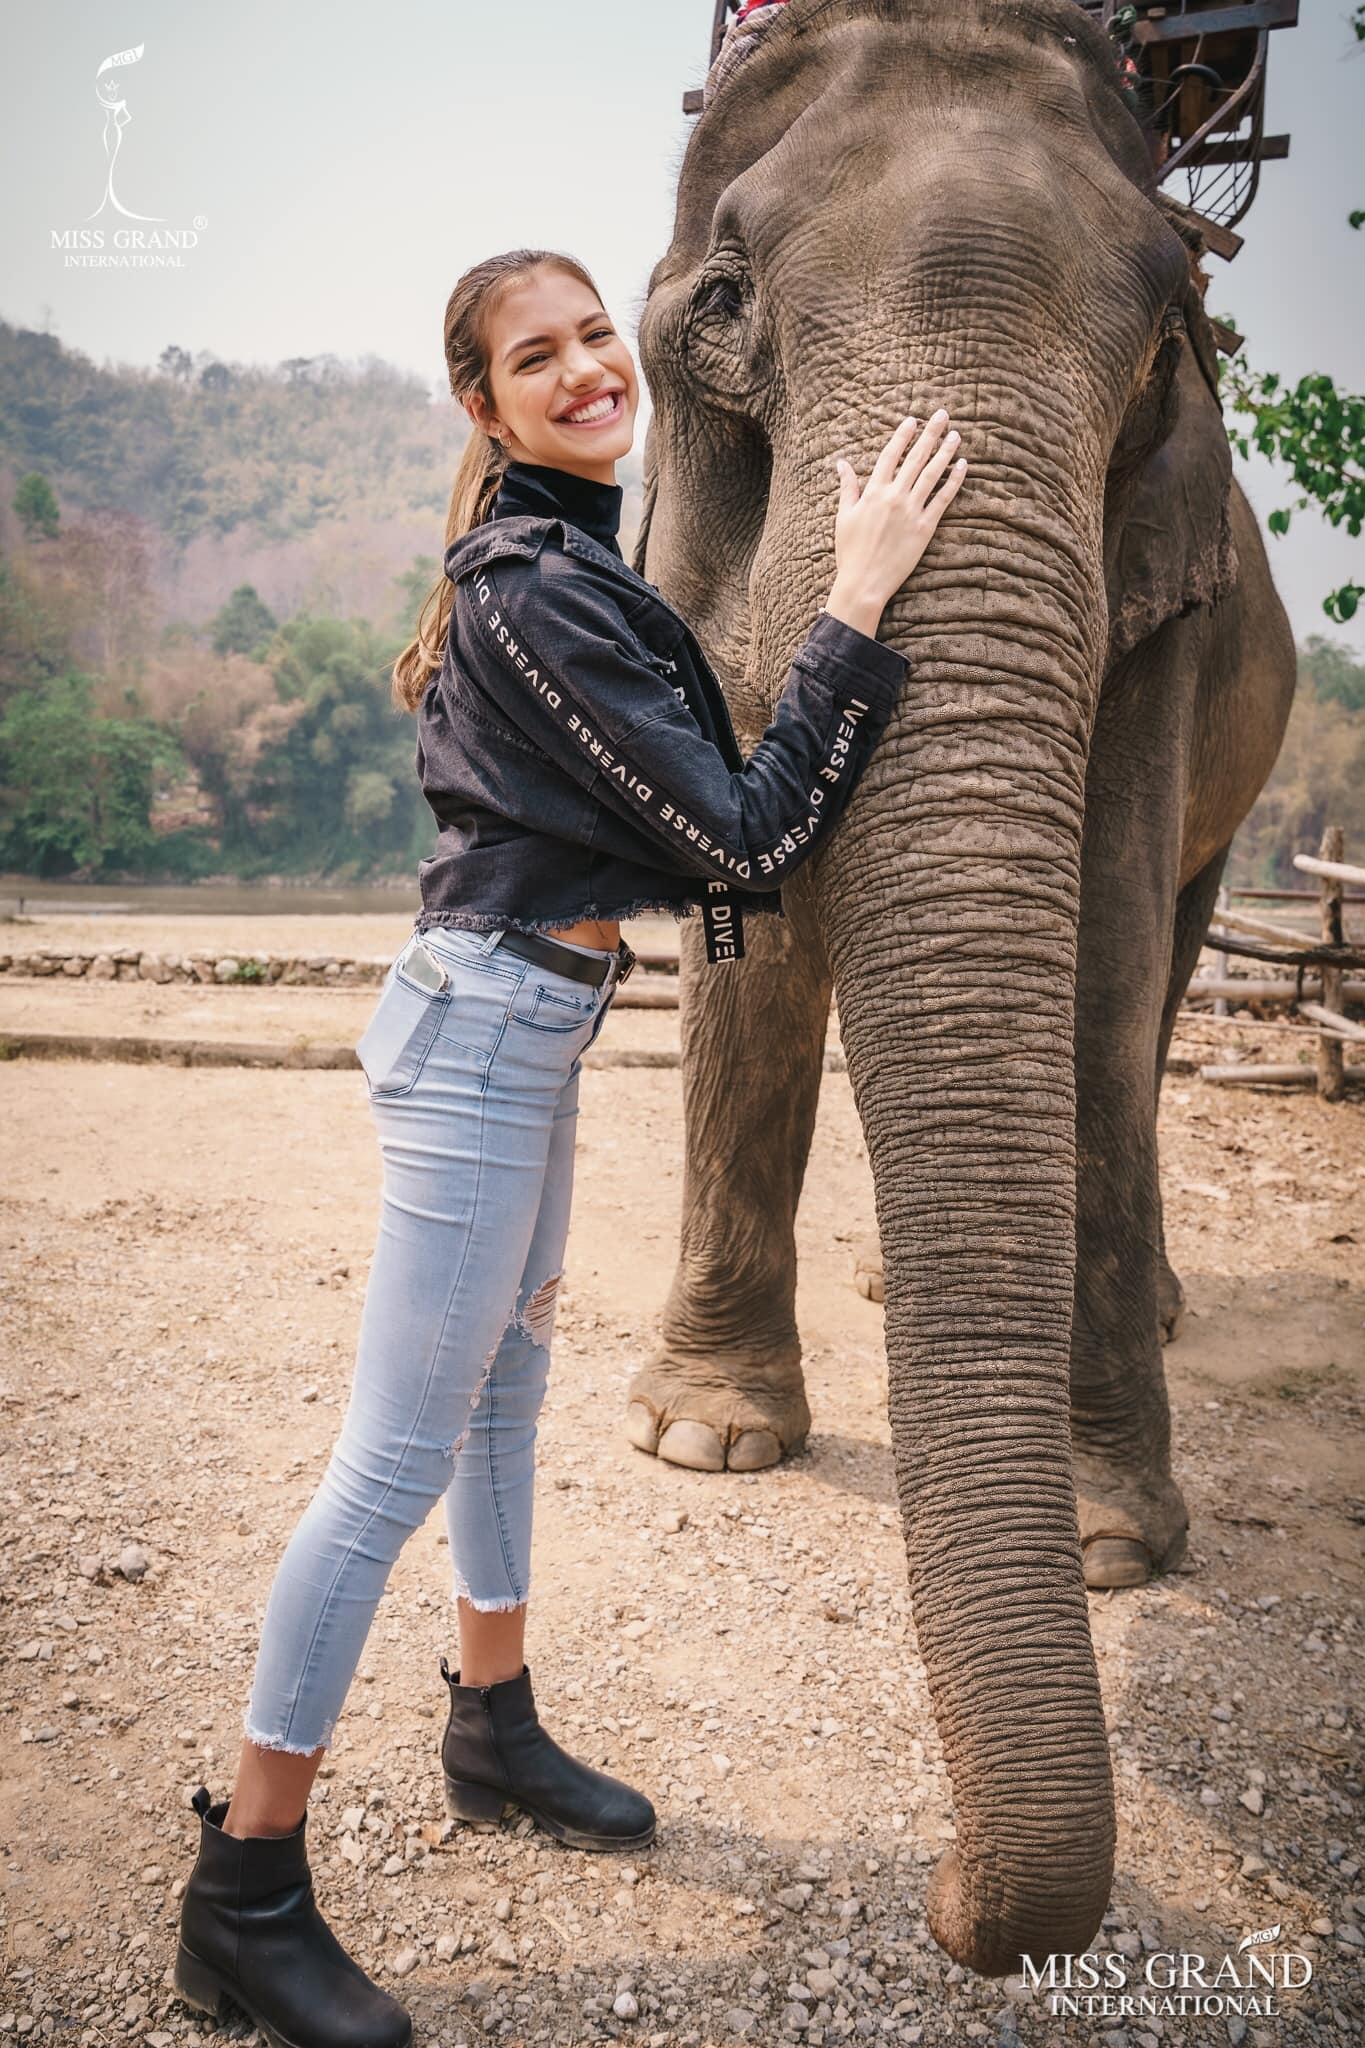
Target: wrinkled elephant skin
889,206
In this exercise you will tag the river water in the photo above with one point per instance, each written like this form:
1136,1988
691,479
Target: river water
206,899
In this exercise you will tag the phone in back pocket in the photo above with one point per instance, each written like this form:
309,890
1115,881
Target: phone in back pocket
422,966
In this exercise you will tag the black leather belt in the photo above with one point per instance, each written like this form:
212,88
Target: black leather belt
563,959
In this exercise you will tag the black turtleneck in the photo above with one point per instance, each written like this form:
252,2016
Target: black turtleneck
532,487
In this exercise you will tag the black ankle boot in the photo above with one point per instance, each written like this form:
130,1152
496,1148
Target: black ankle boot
496,1754
250,1931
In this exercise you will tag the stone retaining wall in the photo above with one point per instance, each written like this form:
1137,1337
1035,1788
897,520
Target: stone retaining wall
204,964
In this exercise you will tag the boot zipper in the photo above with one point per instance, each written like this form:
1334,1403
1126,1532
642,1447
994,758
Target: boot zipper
486,1695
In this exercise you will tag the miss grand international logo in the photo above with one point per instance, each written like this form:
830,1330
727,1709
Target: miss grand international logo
1247,1983
125,239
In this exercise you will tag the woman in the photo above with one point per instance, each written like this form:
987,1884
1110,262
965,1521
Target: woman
577,755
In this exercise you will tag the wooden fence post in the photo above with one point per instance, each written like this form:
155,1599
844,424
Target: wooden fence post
1331,1051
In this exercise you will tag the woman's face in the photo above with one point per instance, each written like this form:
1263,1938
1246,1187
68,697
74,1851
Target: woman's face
554,356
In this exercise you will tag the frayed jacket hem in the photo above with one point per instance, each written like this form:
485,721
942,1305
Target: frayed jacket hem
490,921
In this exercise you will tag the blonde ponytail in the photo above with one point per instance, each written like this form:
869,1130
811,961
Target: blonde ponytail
476,486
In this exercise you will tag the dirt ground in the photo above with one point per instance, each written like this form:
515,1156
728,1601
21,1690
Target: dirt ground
357,935
185,1260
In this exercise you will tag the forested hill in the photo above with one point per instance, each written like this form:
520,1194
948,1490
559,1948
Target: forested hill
201,447
206,571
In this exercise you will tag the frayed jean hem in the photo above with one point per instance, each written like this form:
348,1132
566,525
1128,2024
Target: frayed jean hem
506,1603
269,1742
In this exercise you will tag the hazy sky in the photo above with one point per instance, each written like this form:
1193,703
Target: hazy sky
348,161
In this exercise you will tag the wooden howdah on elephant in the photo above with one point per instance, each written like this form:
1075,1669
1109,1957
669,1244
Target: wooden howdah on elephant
887,206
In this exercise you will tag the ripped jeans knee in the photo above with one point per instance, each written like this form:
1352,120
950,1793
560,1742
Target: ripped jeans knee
488,1503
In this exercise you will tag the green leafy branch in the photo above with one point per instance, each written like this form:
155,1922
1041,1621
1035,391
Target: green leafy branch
1318,434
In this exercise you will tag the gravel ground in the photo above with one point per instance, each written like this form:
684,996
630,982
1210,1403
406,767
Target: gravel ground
178,1328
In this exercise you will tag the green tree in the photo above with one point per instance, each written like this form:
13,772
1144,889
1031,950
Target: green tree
35,502
1332,672
412,588
410,592
225,713
369,800
1319,776
35,626
76,790
1315,432
338,792
244,625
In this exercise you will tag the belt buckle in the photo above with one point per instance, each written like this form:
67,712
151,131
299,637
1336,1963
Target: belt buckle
625,954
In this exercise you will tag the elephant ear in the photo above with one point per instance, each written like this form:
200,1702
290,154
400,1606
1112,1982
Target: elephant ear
1168,544
651,491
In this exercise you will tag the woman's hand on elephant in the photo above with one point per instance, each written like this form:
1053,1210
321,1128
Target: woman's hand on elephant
882,530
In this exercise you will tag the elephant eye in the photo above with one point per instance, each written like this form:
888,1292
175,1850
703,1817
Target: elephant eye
722,340
721,298
723,292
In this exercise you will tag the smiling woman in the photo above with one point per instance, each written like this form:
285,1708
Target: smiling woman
546,380
576,751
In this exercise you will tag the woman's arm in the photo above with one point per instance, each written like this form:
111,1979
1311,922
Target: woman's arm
546,644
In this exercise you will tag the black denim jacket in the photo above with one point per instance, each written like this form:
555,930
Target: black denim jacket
576,748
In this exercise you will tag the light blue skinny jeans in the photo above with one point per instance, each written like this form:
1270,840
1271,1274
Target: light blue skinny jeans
474,1090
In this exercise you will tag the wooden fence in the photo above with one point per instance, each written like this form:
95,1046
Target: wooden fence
1327,955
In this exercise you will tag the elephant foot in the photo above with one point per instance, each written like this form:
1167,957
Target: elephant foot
1132,1529
1170,1301
867,1268
718,1414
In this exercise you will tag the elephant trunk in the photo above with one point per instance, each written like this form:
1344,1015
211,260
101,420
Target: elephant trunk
949,900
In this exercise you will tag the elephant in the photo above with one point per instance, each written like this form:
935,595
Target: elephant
892,205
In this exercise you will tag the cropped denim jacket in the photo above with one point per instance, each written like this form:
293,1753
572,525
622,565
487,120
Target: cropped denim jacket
576,749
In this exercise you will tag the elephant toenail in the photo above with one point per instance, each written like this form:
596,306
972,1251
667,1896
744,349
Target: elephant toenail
694,1444
752,1450
642,1427
1112,1561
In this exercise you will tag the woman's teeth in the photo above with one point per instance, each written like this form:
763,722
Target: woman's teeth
600,409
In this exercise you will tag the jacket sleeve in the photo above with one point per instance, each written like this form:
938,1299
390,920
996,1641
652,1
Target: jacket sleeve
557,663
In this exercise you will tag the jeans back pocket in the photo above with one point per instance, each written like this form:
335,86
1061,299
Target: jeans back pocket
399,1035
